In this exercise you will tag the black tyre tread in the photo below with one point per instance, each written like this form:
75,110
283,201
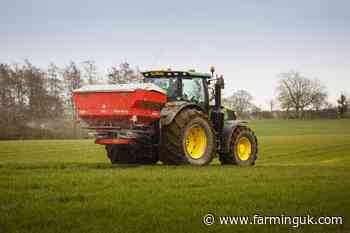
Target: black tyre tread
228,158
124,154
171,152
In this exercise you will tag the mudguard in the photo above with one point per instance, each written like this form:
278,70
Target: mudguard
171,109
227,132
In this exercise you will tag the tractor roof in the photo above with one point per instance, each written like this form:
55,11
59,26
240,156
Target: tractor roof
171,73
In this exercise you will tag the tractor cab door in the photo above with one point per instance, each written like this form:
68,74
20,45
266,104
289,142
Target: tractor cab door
194,91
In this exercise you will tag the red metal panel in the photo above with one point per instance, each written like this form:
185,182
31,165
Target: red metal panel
110,141
118,105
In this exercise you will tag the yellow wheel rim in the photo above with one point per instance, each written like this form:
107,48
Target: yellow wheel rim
196,142
244,148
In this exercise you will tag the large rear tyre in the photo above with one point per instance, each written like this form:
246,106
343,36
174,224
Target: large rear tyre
135,154
188,139
243,148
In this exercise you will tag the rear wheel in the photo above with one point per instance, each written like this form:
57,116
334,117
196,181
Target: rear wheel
188,139
243,148
131,154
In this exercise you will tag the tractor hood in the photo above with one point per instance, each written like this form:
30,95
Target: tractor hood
131,87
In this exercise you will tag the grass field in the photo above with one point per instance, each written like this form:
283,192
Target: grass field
69,186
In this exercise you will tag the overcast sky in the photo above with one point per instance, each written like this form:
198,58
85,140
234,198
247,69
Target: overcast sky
249,41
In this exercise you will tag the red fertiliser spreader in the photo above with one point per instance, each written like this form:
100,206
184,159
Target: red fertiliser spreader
120,114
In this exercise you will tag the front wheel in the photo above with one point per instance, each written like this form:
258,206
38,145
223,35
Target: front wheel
243,148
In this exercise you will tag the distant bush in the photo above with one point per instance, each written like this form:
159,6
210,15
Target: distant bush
330,113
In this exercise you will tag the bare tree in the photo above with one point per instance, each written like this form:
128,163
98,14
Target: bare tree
300,93
36,92
123,73
55,90
271,104
240,102
73,80
89,72
319,98
343,104
6,94
55,83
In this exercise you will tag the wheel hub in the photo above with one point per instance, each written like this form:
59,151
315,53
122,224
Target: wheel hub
244,148
196,142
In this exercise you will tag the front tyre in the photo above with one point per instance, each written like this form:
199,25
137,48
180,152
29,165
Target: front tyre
243,148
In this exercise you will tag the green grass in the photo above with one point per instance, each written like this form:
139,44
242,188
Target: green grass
69,186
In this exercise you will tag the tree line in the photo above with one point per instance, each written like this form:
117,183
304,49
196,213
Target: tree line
297,97
37,103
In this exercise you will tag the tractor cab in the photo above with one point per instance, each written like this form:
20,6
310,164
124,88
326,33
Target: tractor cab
188,86
192,88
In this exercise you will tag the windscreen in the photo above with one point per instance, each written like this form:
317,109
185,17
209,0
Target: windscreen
168,84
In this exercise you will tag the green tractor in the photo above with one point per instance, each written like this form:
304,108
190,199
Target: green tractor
178,126
193,131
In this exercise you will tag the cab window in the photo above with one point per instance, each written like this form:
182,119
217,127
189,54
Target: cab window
193,90
170,85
